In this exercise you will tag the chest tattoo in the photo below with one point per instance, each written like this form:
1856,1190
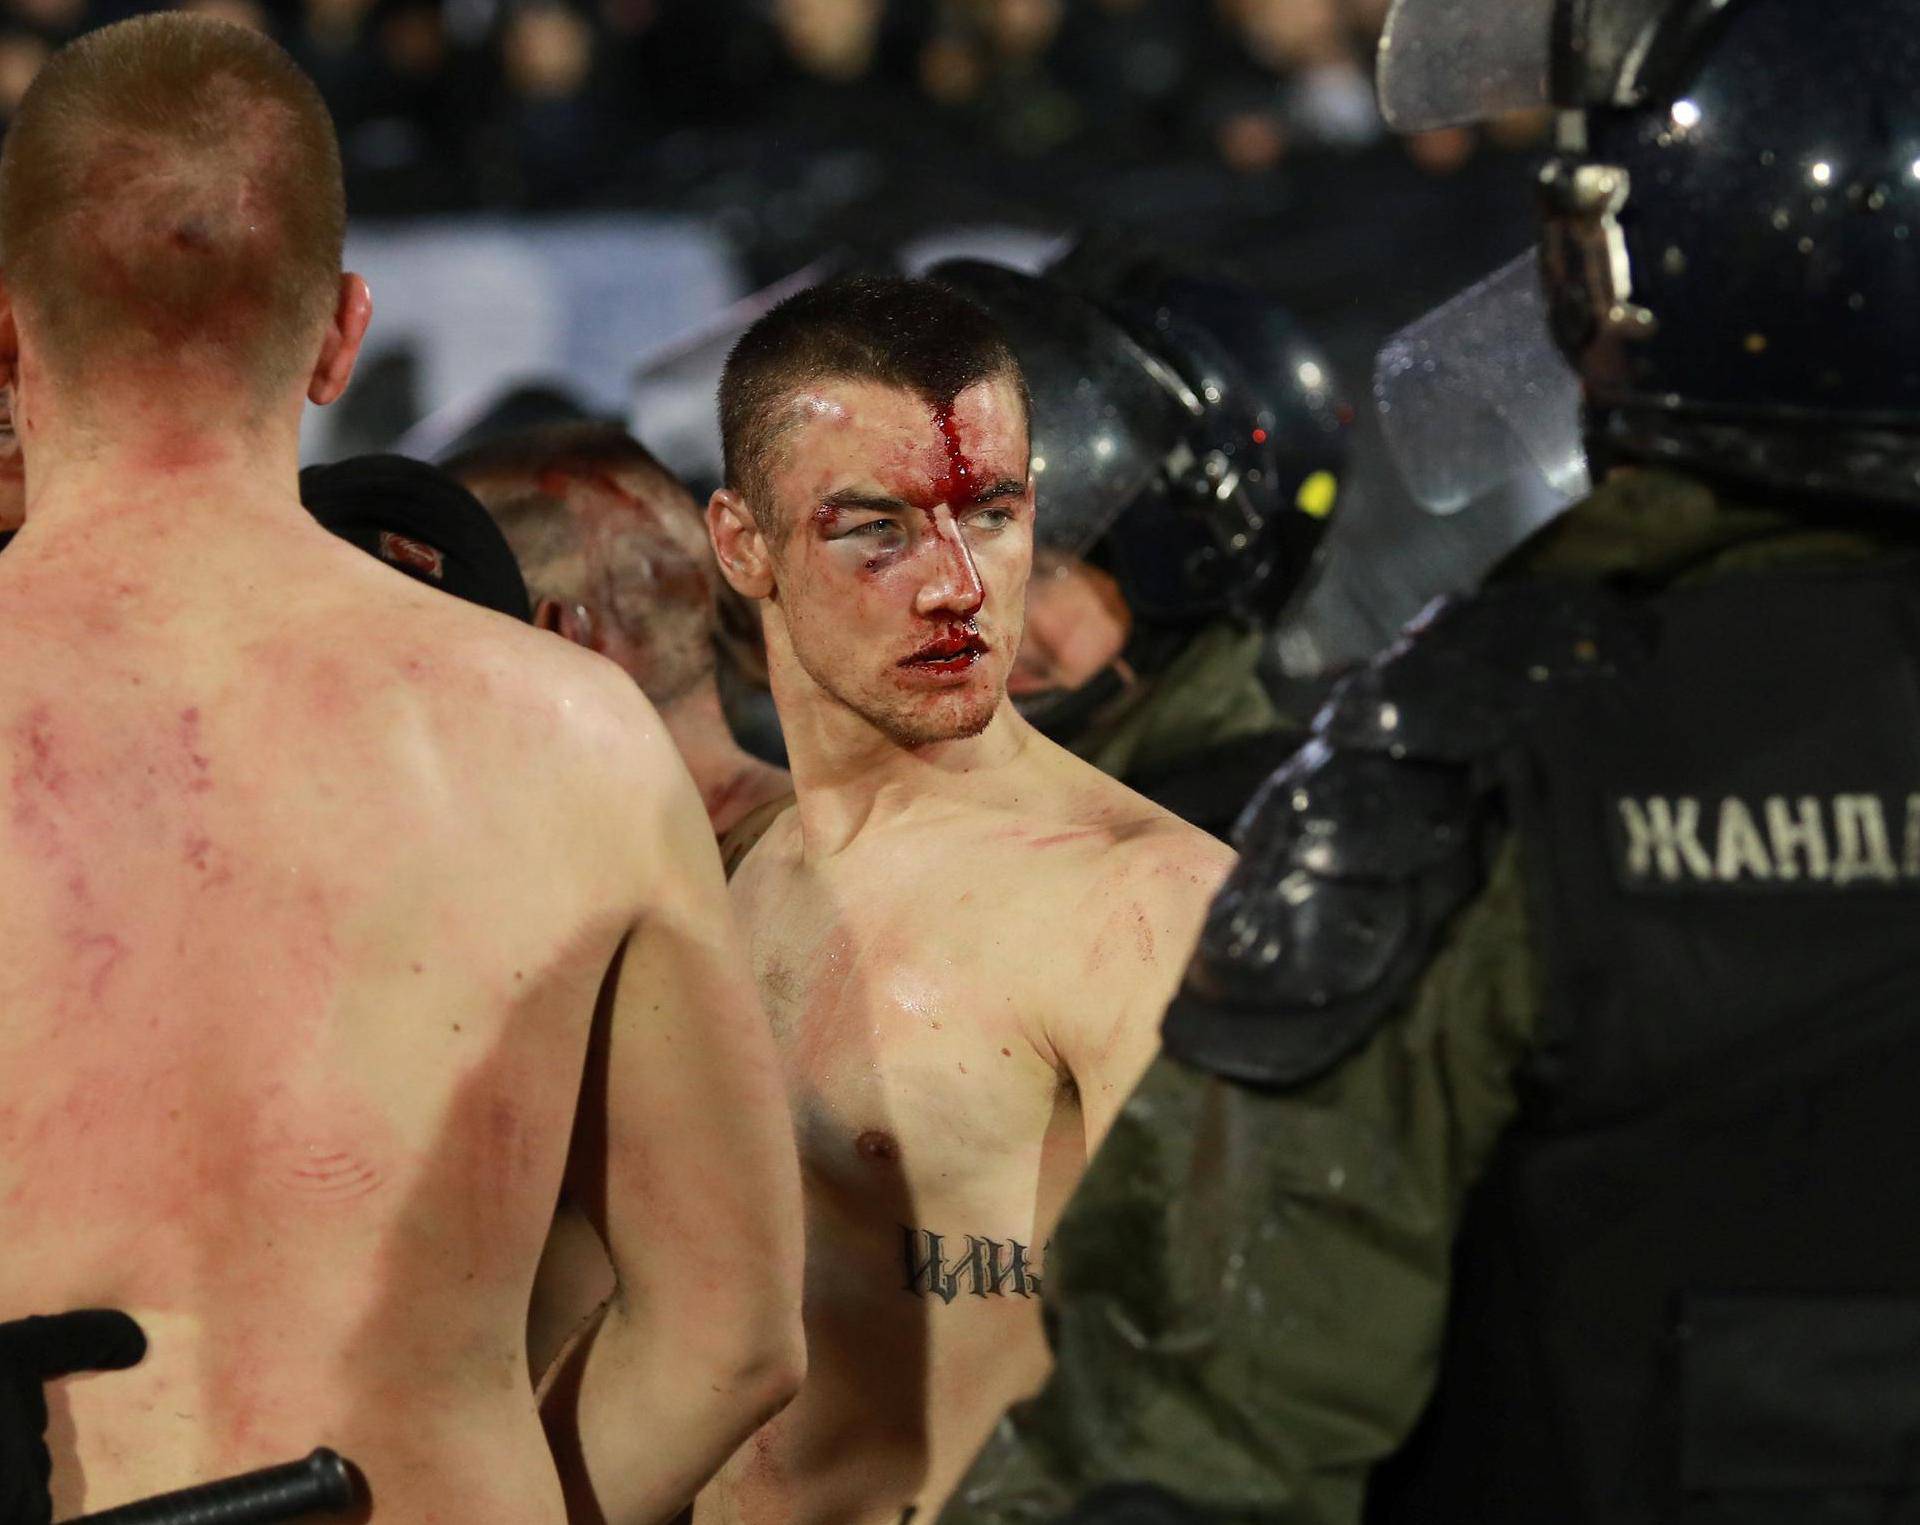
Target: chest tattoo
941,1266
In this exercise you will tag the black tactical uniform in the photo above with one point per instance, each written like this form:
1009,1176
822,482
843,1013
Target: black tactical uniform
1534,1140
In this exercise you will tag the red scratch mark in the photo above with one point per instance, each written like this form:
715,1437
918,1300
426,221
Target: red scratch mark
505,1155
1060,839
333,1175
38,777
105,947
43,768
197,760
198,852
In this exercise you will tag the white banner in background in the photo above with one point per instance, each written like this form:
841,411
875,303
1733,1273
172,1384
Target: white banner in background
475,305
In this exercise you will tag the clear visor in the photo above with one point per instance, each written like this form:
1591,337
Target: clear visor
1448,62
1478,447
1477,394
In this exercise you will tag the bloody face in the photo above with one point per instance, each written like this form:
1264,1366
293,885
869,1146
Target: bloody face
903,539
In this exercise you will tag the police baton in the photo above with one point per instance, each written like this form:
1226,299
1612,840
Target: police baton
320,1485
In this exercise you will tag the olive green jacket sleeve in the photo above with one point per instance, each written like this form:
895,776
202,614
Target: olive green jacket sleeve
1247,1293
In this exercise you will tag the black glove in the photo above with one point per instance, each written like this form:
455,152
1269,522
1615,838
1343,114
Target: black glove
34,1351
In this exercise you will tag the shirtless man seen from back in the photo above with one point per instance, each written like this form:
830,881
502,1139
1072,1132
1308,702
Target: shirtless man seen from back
312,877
965,937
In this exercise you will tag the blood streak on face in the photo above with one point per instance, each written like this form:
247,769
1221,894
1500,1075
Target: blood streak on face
956,488
904,602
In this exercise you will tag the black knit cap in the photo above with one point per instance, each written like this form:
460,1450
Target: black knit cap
419,521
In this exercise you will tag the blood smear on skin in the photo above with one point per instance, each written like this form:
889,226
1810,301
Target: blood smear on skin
957,486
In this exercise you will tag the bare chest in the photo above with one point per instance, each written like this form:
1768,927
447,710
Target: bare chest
912,1040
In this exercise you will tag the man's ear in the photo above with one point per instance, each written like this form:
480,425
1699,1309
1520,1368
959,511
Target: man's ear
352,312
9,338
739,546
571,622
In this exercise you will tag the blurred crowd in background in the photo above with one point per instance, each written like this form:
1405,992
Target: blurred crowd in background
447,105
790,135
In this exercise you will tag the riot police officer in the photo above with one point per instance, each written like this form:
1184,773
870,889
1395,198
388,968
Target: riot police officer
1533,1136
1189,444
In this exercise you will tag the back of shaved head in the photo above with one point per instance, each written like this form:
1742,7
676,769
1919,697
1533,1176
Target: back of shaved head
170,191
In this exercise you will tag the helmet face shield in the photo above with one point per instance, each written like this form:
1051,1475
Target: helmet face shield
1444,63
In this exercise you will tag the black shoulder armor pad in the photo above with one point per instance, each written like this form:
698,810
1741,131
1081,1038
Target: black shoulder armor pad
1359,851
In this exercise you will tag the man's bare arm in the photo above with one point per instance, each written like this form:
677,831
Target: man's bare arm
685,1164
1150,914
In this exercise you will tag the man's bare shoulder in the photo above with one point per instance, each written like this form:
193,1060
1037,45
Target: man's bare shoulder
533,721
1115,872
1081,813
1169,870
601,714
1118,888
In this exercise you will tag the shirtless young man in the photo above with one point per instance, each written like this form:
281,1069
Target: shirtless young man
965,936
616,559
312,876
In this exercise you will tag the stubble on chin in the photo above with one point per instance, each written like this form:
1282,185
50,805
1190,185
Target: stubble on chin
910,731
909,722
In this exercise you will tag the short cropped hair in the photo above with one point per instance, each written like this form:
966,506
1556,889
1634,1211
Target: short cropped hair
521,477
658,592
573,446
170,188
916,335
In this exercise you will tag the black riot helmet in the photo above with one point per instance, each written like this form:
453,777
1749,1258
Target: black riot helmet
1732,253
1186,436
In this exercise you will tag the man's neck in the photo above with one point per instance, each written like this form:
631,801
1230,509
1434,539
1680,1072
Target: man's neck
732,782
850,777
160,485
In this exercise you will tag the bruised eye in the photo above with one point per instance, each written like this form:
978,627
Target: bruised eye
873,529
